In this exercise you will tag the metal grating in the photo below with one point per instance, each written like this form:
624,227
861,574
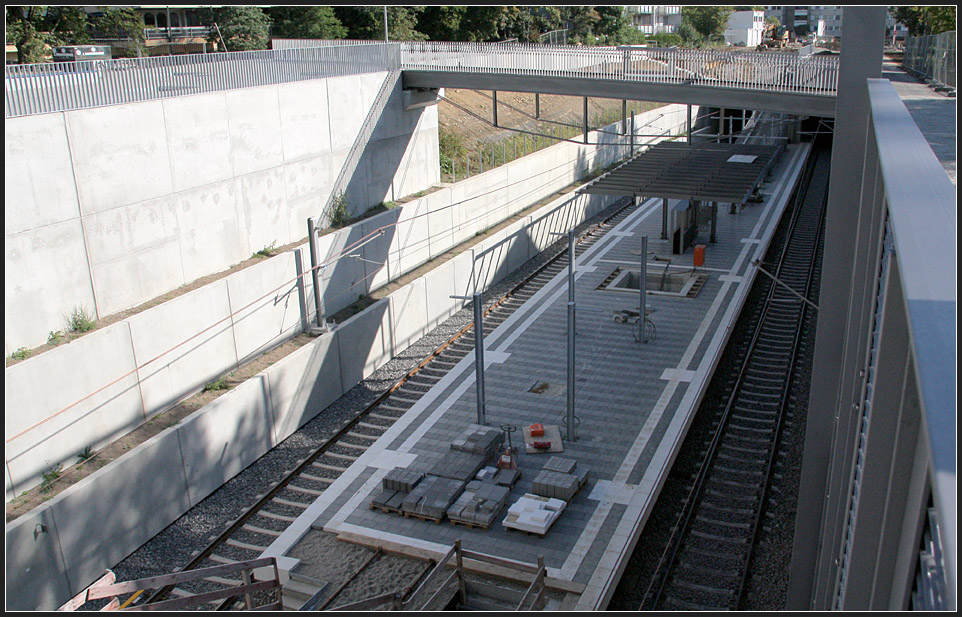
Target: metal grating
724,173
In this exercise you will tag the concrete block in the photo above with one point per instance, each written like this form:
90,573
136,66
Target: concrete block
408,315
42,386
378,234
440,235
46,277
37,174
254,120
109,514
264,300
199,140
263,217
225,436
364,343
304,128
36,578
439,286
134,253
112,145
303,384
342,277
209,238
410,248
202,319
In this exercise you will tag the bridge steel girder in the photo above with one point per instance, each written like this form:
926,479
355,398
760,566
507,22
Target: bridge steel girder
782,102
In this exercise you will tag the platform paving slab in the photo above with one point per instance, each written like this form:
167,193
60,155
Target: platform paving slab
634,402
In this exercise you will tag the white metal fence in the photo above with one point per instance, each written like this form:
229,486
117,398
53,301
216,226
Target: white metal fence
932,57
44,88
63,86
771,72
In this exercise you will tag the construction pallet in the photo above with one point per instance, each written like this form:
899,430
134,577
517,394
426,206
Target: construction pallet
422,517
469,524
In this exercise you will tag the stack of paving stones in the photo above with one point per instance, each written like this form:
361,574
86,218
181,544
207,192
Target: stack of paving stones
395,488
479,504
431,498
469,452
560,479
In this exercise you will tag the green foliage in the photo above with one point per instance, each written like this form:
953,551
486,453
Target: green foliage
34,29
367,22
338,213
708,21
86,455
50,477
689,36
217,384
21,354
80,320
242,28
924,20
123,23
451,149
267,251
668,39
54,337
305,22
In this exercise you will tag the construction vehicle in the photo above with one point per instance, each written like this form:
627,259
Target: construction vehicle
775,37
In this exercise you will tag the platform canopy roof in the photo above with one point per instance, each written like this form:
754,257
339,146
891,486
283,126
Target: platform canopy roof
708,171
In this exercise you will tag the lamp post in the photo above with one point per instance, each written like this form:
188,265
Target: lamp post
478,353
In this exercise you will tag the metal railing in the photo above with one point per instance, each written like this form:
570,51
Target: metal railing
932,57
770,72
901,458
45,88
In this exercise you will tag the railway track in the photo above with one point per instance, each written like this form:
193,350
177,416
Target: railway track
252,532
707,560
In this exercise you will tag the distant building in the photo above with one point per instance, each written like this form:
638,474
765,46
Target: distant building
653,19
745,28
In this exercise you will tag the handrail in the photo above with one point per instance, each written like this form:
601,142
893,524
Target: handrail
920,201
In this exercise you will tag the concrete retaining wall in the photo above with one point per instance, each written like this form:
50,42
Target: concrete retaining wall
170,351
96,523
113,206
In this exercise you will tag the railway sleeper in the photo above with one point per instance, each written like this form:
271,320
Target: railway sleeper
730,524
245,546
681,582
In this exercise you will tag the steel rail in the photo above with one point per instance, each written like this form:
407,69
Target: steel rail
259,505
670,557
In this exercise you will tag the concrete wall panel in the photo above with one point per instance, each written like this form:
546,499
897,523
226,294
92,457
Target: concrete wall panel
254,120
303,384
134,253
203,317
224,437
411,246
105,516
364,343
439,286
440,235
342,279
308,184
46,277
377,247
408,314
115,152
346,120
37,195
34,566
209,235
264,316
263,215
52,383
199,140
304,128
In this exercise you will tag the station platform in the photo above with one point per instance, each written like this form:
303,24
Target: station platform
634,401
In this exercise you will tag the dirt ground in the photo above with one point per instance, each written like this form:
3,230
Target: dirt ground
470,130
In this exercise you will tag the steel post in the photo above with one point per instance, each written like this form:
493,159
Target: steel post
479,357
315,277
571,372
642,284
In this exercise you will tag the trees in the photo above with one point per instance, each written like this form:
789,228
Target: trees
242,28
123,23
33,29
305,22
709,21
367,22
923,20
